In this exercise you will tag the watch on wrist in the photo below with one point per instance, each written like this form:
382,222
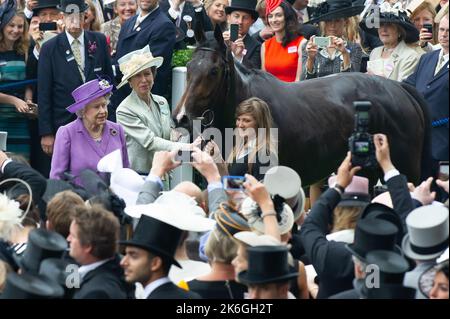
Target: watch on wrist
339,188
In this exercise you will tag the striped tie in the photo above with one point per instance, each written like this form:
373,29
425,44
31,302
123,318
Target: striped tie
77,54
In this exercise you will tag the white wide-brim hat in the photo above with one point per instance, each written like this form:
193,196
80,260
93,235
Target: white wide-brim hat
137,61
252,239
175,215
127,184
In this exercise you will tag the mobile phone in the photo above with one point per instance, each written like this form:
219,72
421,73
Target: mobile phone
429,28
183,156
233,183
322,42
443,171
48,26
3,139
234,32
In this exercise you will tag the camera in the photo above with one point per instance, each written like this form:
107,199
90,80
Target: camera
183,156
234,32
361,143
233,183
48,26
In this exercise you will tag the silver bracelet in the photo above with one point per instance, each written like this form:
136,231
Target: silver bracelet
269,213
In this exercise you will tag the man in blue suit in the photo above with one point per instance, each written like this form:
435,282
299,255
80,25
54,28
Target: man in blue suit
150,27
431,80
65,62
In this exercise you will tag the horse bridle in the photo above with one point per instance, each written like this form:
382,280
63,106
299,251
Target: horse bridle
225,75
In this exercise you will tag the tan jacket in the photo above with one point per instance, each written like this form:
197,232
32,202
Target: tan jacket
147,129
402,62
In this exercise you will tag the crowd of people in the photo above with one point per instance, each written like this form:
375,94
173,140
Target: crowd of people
88,209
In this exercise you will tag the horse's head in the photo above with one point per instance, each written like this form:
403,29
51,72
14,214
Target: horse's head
208,77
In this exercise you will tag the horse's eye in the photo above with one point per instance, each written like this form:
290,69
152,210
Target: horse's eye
214,71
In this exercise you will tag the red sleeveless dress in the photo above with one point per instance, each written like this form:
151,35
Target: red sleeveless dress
281,61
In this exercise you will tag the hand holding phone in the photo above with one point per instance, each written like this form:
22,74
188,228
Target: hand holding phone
443,171
322,42
429,28
234,32
183,156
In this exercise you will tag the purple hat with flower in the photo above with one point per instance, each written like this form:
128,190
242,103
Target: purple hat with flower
88,92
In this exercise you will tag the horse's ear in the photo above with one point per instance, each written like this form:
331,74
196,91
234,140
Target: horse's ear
219,38
199,31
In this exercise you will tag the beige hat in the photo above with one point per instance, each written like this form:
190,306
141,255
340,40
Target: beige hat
252,239
443,12
413,5
137,61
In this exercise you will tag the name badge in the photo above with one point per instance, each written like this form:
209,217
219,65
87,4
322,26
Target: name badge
97,69
292,50
70,58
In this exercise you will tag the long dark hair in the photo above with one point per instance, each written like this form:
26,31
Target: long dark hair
291,26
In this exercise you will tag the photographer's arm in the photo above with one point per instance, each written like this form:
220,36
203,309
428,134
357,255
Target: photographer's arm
205,165
163,162
258,192
397,183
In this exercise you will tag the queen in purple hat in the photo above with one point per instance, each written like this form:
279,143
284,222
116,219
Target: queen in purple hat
80,144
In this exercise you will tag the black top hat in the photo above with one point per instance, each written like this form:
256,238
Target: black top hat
157,237
243,5
230,223
335,9
72,6
380,211
400,18
44,4
7,12
373,234
27,286
267,264
42,244
392,266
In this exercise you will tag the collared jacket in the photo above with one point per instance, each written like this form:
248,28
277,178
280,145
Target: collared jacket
76,151
402,62
147,129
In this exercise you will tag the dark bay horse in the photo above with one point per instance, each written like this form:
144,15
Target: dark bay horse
314,118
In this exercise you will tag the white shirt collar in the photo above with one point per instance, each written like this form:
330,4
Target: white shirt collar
142,18
442,54
83,270
153,285
71,38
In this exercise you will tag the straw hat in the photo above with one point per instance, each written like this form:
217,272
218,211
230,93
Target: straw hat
137,61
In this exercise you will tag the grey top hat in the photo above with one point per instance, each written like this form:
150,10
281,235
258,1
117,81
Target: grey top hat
285,182
42,244
428,232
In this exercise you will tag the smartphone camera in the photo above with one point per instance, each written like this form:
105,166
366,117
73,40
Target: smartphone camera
429,28
443,171
183,156
48,26
234,32
233,183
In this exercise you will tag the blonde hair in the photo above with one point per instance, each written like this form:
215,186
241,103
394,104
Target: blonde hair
95,24
220,247
260,112
208,4
344,34
345,217
428,7
22,44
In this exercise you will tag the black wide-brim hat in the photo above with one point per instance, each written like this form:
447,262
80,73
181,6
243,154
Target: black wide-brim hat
27,286
243,5
7,12
373,234
400,18
267,264
44,4
71,6
157,237
335,9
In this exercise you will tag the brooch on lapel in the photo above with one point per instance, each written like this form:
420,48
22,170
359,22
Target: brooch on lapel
92,47
113,132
